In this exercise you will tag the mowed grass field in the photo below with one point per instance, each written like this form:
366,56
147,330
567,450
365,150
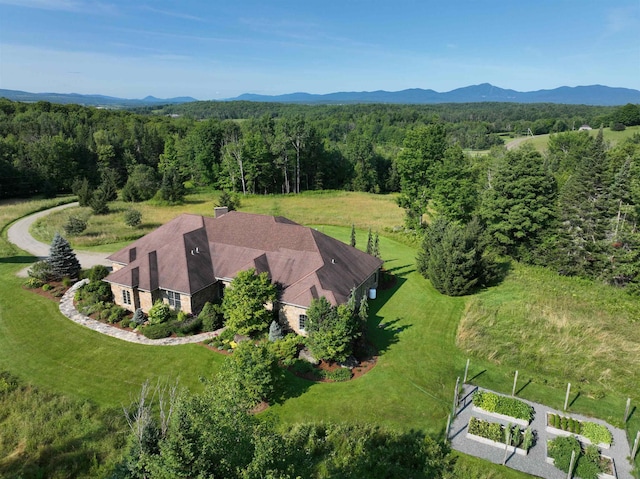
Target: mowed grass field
613,137
411,387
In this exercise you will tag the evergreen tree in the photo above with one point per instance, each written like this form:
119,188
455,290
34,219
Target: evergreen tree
353,235
585,210
518,203
332,330
452,257
375,249
363,310
369,242
62,259
99,201
172,189
275,331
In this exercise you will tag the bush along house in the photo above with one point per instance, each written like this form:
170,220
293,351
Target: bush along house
189,260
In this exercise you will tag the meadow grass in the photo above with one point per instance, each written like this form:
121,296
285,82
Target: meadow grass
540,142
109,233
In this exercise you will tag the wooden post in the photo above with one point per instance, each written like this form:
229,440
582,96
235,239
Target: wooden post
635,446
515,381
566,398
506,446
573,461
455,397
446,431
466,370
626,411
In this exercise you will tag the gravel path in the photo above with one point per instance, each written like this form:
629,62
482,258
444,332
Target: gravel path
19,235
534,463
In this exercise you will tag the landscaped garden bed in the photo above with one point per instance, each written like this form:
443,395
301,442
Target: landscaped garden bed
503,407
495,434
585,431
589,463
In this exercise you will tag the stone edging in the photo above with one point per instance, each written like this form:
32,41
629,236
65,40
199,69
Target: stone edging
514,420
500,445
69,310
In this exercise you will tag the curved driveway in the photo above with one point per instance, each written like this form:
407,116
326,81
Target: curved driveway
19,235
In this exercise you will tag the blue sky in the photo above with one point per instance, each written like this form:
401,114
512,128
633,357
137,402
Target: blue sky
213,49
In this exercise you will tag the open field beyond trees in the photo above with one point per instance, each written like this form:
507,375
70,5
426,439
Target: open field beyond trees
534,321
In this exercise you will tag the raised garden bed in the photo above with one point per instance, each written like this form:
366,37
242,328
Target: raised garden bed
495,434
590,464
503,407
585,431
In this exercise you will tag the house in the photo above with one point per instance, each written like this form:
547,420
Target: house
189,260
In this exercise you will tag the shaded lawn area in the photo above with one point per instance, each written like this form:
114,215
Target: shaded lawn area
413,381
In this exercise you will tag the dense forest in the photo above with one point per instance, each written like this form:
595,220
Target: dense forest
574,209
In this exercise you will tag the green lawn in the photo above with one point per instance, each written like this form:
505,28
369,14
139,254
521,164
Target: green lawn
411,387
613,137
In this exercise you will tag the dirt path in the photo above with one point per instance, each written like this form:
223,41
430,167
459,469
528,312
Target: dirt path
517,142
19,235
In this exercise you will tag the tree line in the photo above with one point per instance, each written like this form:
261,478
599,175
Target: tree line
249,147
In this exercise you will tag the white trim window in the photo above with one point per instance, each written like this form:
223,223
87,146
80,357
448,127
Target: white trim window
173,298
126,296
302,322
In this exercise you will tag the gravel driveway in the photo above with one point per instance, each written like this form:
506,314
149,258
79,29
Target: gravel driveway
19,235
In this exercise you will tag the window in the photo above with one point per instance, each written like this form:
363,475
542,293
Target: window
174,299
302,322
126,296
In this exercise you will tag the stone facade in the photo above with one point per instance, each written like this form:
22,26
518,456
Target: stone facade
290,315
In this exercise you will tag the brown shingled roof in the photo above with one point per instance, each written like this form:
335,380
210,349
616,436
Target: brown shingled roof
192,252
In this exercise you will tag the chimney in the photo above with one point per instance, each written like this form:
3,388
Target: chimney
220,210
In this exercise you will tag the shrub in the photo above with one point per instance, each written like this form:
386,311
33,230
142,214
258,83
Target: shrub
286,349
41,270
275,331
159,312
340,374
74,225
33,283
303,367
132,218
190,325
138,317
596,433
47,287
116,313
158,331
66,282
97,273
563,423
211,316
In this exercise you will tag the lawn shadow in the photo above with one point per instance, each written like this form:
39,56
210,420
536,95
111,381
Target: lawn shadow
477,375
387,333
497,272
631,413
383,333
290,386
574,399
18,259
523,387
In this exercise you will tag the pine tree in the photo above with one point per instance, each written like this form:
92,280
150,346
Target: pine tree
275,331
375,250
518,204
452,257
62,259
369,243
363,311
353,235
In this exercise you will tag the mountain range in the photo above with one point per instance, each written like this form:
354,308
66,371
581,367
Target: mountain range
90,100
485,92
